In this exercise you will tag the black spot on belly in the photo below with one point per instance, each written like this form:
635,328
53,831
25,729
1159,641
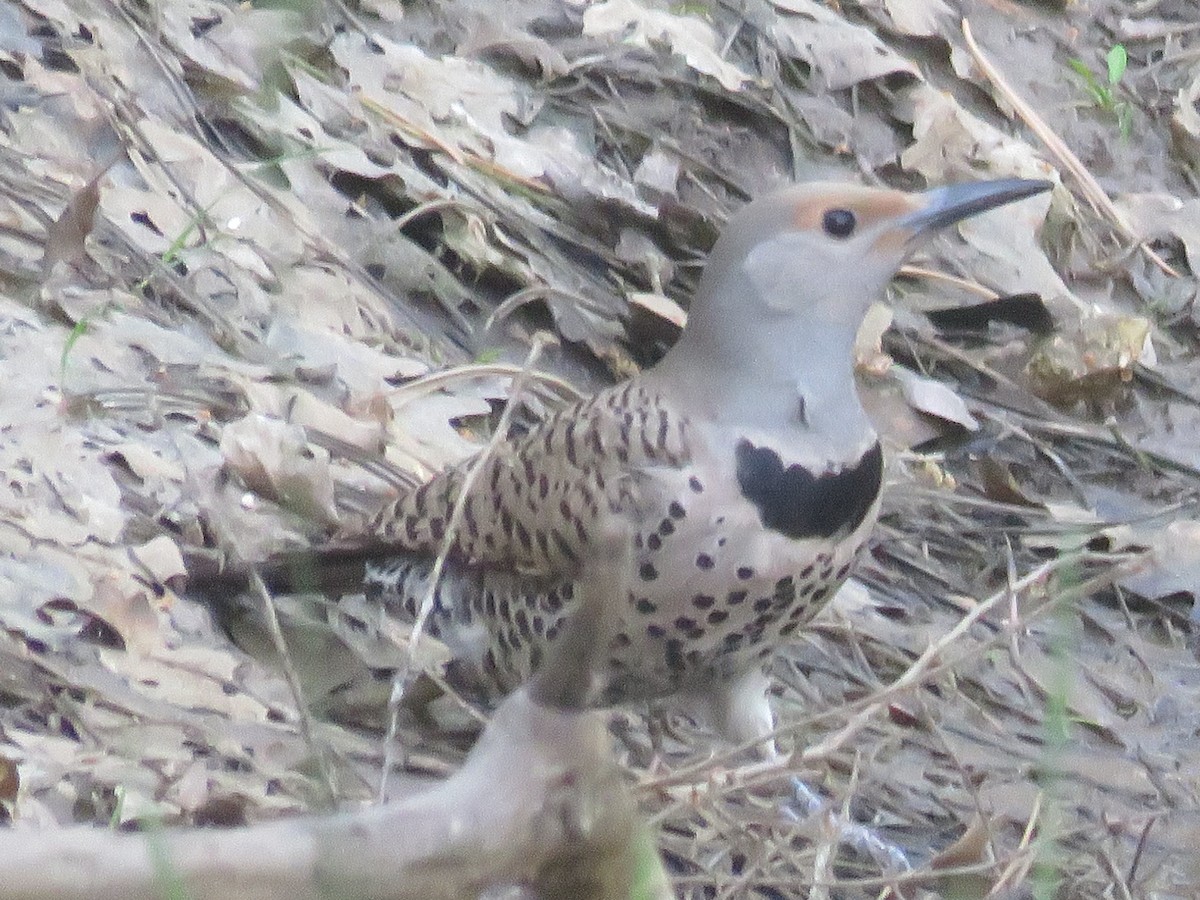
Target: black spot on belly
674,655
799,504
785,589
523,624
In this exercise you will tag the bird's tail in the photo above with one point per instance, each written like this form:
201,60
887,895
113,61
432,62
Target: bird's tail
331,570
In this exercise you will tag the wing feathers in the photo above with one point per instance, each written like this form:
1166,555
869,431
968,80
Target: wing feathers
532,506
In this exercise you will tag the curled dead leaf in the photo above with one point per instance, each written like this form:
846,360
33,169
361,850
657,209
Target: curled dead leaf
1000,485
1093,362
690,37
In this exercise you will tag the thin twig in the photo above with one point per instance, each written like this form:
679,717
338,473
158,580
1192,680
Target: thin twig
400,681
703,777
974,287
1024,856
1088,186
528,295
307,729
918,670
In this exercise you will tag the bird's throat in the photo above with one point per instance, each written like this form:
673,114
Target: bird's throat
787,378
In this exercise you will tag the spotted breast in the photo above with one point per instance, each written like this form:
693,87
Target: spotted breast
734,549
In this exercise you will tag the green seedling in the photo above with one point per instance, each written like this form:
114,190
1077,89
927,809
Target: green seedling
1102,91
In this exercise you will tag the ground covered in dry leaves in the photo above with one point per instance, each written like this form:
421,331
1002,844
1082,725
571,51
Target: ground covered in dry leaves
264,262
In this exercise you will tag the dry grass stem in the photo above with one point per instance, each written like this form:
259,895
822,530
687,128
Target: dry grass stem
966,284
559,388
529,295
1088,186
319,752
692,782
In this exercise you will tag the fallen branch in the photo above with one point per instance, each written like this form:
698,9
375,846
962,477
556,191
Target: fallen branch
540,802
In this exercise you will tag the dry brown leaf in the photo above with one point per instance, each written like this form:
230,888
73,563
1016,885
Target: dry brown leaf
130,608
933,398
10,780
1093,363
1154,217
1185,124
919,18
275,459
1173,563
1000,485
491,35
162,561
66,237
237,42
688,36
970,847
844,54
659,305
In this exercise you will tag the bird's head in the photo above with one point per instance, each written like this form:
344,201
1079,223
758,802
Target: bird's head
825,251
785,291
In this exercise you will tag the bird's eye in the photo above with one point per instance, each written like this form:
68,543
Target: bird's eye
839,223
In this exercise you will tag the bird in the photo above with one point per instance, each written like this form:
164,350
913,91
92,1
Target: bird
743,464
740,468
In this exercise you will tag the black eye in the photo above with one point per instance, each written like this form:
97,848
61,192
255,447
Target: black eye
839,223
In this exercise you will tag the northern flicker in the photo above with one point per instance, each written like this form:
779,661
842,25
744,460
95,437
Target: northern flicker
743,461
742,466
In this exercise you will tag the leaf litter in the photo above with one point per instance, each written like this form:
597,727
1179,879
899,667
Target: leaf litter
206,348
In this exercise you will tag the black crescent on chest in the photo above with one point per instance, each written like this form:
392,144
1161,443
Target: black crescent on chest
801,504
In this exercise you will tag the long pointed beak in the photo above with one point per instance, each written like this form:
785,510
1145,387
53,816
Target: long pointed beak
946,205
